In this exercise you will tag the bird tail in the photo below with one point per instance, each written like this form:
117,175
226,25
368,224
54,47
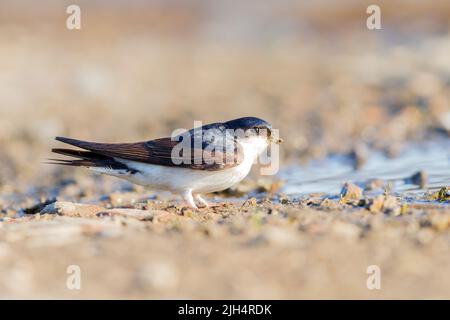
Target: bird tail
83,158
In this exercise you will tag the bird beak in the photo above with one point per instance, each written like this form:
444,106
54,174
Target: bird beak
276,140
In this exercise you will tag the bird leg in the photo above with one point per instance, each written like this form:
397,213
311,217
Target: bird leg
201,200
187,196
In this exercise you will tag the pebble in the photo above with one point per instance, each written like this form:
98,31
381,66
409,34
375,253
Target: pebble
386,204
420,178
350,191
72,209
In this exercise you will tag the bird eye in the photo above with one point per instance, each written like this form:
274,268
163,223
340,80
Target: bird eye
257,130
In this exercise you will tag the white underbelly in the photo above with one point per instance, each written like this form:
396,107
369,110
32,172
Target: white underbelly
181,179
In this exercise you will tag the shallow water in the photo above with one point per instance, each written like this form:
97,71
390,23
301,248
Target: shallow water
329,174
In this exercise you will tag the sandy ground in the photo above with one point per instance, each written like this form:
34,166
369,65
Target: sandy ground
250,250
133,74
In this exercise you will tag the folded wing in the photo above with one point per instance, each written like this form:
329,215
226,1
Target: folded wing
164,151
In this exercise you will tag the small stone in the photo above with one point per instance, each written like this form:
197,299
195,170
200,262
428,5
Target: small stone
329,204
250,202
285,200
376,204
442,195
419,178
186,212
390,203
350,191
385,203
72,209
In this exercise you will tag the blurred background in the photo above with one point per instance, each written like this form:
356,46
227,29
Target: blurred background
139,69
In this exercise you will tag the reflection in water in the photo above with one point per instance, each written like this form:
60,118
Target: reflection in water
328,175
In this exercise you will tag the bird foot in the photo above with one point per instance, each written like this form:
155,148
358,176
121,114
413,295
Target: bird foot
187,196
201,201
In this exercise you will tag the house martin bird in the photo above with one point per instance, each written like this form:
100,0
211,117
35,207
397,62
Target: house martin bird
205,159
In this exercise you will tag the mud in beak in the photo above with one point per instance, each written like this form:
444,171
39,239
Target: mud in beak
276,140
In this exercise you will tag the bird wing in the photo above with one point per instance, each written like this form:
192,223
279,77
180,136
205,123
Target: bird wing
213,153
